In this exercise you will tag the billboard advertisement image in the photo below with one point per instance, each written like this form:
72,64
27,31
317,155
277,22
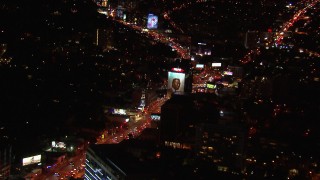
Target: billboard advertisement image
31,160
176,81
120,10
152,21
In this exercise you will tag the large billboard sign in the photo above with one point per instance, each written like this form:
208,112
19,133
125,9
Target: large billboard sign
31,160
216,64
176,81
200,66
119,111
152,21
211,86
60,145
156,117
228,73
120,10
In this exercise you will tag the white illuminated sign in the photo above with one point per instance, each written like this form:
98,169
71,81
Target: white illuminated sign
200,66
55,144
31,160
120,111
216,64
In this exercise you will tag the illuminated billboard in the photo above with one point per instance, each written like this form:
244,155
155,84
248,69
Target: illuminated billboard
120,10
216,64
31,160
119,111
61,145
200,66
176,81
229,73
211,86
156,117
152,21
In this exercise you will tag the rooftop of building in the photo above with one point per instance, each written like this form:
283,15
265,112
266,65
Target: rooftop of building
134,157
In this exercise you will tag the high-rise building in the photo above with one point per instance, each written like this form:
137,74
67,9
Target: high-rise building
237,71
5,160
181,114
252,40
104,38
131,159
130,5
221,144
176,116
101,3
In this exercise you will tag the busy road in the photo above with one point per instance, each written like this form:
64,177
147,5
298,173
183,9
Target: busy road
70,167
74,166
134,128
283,29
183,52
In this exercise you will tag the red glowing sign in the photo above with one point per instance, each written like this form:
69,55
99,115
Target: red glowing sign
177,70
